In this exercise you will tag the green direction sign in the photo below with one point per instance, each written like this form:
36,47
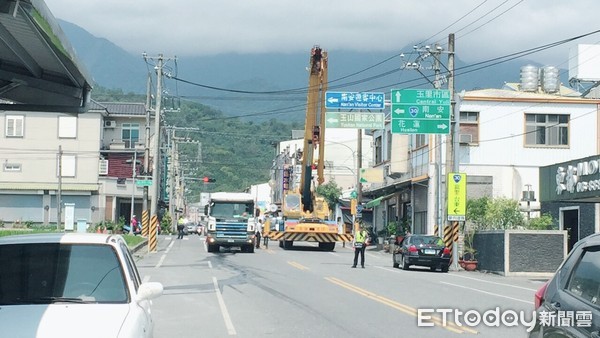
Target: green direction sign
353,120
143,183
420,111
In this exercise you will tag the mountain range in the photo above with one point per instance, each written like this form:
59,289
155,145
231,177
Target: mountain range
220,81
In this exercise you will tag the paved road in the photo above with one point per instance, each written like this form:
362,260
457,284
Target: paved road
305,292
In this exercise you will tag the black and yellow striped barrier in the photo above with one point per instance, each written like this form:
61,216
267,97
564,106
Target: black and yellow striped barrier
153,236
436,230
145,222
310,237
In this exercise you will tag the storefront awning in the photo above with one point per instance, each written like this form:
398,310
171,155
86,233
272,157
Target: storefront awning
378,200
47,186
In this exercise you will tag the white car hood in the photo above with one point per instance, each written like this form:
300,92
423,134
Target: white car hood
62,320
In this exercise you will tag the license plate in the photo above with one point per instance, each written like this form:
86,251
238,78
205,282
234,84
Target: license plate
230,241
429,251
235,248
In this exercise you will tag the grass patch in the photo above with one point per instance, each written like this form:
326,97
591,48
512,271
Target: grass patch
131,240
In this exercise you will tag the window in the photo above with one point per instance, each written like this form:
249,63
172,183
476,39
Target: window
130,134
12,167
378,150
34,272
546,130
14,125
420,140
67,127
469,127
585,282
389,145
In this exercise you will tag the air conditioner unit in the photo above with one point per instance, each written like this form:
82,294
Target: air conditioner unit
110,124
465,138
103,167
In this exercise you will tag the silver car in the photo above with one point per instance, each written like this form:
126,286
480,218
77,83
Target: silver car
72,285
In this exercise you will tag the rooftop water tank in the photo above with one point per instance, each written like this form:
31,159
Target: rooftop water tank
529,78
550,80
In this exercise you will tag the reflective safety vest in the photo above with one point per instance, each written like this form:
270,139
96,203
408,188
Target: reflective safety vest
180,221
361,236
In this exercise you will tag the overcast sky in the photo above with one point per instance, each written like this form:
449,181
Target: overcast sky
484,29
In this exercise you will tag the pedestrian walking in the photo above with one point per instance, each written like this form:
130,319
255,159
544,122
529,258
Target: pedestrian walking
257,234
134,225
360,244
180,227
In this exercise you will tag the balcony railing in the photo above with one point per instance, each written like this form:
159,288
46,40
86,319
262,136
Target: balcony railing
120,144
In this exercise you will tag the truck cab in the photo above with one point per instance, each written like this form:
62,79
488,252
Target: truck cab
230,221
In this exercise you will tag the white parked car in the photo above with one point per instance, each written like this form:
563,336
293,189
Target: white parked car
72,285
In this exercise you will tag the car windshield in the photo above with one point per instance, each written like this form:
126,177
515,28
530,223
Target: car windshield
426,240
51,272
230,210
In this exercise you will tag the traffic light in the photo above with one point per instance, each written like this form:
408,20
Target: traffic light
207,179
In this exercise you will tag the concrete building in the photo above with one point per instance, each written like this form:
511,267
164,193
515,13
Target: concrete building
506,135
95,152
340,158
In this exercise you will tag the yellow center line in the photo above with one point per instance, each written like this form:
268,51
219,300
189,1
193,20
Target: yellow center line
297,265
451,326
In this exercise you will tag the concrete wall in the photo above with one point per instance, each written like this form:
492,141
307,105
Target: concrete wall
520,252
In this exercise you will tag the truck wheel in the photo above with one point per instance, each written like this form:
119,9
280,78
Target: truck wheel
249,249
213,248
288,244
327,246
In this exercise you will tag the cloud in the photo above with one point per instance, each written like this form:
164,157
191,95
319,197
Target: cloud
210,27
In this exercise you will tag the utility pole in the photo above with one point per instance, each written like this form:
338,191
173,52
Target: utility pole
452,146
156,155
133,177
147,145
358,166
59,191
172,147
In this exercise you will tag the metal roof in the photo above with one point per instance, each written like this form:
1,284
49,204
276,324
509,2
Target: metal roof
38,67
124,108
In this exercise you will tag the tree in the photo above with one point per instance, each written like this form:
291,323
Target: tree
330,192
544,222
498,213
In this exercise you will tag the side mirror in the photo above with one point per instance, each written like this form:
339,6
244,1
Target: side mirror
149,290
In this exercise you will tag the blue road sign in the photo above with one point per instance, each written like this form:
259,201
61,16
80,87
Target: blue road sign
352,100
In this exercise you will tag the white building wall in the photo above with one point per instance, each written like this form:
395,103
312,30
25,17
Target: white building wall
37,150
340,151
501,151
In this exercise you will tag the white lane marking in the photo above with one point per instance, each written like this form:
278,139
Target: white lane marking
333,253
486,292
162,258
485,281
169,247
210,264
224,312
146,279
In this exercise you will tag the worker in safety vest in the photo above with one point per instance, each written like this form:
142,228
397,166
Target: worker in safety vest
180,227
361,240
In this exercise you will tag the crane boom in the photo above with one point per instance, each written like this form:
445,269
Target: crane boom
305,215
314,127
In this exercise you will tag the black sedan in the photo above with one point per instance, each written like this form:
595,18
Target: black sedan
569,304
422,250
